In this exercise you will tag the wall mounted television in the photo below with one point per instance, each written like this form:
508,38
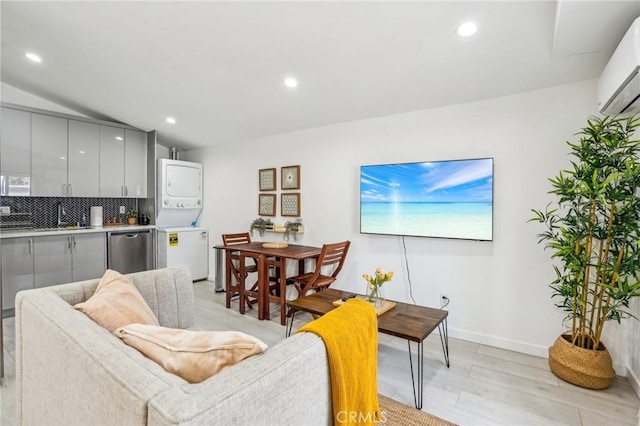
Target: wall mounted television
441,199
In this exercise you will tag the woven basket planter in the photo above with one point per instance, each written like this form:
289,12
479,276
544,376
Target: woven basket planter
582,367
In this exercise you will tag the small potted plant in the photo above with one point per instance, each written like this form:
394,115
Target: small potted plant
261,225
292,227
132,217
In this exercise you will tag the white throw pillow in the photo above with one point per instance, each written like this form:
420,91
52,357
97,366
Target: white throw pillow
193,355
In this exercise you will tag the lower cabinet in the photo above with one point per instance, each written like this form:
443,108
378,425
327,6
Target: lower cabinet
61,259
89,256
17,268
52,261
49,260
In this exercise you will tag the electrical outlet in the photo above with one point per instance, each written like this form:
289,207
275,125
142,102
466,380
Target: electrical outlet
122,210
444,299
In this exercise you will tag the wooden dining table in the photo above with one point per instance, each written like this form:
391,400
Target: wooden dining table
274,257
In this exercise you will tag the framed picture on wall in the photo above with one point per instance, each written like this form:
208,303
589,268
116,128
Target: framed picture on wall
267,204
267,179
290,204
290,178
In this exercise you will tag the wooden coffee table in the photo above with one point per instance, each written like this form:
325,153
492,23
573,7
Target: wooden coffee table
411,322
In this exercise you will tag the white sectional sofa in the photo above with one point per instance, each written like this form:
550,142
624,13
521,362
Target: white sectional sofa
71,371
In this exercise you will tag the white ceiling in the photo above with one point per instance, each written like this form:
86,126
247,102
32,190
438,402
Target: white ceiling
218,67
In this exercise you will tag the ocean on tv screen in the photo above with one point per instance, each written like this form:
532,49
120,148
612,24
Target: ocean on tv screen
446,199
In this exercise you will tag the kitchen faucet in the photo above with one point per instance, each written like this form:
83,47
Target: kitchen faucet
61,214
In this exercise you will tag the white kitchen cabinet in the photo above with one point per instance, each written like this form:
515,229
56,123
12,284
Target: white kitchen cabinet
61,259
15,153
84,159
17,269
123,163
89,256
135,164
52,260
48,156
111,162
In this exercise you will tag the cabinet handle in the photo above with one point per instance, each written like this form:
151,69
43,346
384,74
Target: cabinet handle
70,190
69,242
30,246
126,191
64,189
74,241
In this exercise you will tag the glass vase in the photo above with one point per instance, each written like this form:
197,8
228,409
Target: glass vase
376,296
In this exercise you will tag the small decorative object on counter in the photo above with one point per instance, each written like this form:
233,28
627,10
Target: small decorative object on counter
374,290
144,219
132,217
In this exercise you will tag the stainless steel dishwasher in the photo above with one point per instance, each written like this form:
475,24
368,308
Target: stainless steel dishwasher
130,251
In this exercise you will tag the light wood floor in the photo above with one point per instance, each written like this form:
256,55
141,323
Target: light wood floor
484,386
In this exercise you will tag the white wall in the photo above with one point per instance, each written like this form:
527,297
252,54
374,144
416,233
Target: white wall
634,353
499,290
16,96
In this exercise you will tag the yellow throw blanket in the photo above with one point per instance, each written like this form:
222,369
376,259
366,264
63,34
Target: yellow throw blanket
350,334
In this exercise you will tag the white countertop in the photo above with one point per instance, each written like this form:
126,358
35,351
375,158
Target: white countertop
66,231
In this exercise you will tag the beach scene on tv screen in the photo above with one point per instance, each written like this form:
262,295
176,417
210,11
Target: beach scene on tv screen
447,199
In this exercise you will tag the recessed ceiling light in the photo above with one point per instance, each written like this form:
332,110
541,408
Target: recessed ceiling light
119,138
467,29
82,152
290,82
171,120
34,57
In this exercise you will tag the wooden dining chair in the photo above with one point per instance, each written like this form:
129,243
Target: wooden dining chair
331,256
253,295
234,277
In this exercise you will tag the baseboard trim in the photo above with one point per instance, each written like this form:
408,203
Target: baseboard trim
529,349
500,342
634,381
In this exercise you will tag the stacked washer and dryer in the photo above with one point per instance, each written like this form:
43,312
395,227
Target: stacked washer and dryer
179,203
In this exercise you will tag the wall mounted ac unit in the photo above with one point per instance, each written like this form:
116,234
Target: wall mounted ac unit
619,83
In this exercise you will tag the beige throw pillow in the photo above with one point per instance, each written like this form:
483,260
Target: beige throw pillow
116,303
193,355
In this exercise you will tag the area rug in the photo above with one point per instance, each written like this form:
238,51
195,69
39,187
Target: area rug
397,413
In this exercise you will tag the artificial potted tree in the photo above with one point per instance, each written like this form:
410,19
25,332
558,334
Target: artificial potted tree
593,230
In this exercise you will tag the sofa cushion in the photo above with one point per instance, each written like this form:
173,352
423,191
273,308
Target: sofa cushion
116,303
193,355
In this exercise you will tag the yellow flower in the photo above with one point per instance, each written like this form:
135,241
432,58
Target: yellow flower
379,278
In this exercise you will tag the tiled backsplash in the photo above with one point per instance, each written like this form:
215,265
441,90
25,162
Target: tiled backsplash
44,210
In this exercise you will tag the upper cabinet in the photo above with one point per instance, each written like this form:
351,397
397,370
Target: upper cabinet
84,159
111,162
123,159
135,160
48,156
15,153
